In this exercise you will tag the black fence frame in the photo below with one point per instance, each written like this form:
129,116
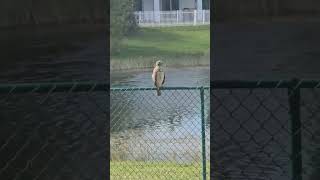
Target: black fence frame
293,88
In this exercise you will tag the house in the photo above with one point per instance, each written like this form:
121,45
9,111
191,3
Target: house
172,5
172,12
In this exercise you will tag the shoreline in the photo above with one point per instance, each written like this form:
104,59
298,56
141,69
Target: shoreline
147,62
142,69
150,67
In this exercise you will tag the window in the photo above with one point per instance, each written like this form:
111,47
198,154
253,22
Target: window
175,4
205,4
165,5
169,5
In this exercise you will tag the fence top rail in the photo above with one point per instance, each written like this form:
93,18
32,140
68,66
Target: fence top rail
294,83
103,86
54,87
162,88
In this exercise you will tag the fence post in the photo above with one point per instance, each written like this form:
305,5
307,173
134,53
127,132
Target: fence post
203,16
294,103
203,135
153,18
140,14
195,17
177,16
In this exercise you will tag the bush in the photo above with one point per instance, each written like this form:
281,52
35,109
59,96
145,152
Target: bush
122,22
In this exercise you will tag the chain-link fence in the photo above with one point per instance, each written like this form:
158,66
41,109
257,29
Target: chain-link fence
53,131
160,137
259,130
265,130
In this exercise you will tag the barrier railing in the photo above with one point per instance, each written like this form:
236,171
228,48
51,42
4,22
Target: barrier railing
173,18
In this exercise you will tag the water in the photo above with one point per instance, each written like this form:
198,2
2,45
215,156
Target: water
175,77
66,54
51,54
269,51
266,50
54,135
166,128
149,128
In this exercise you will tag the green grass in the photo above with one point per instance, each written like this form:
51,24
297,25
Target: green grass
179,45
135,170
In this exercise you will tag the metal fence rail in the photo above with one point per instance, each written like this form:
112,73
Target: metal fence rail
173,18
160,137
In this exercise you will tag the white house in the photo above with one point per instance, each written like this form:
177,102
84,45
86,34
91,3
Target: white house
171,5
172,12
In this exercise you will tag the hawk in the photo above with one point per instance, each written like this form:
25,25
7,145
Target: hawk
158,76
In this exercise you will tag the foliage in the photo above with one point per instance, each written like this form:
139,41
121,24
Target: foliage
122,22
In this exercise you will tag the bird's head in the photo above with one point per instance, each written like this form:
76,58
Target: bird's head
159,63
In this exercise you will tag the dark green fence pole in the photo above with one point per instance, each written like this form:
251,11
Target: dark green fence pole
294,102
203,136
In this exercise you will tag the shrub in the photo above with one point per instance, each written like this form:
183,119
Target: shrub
122,22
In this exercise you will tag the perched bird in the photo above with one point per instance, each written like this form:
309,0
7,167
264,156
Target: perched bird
158,76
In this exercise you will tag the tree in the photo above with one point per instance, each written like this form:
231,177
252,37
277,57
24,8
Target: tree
122,22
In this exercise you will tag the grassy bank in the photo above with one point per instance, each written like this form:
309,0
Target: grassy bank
136,170
176,46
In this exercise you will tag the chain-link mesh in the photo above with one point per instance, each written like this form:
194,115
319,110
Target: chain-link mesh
265,130
310,131
159,137
259,130
53,131
251,134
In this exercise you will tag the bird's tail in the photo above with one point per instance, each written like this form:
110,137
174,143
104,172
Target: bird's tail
158,92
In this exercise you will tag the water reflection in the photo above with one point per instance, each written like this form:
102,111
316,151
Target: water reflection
186,77
172,117
151,128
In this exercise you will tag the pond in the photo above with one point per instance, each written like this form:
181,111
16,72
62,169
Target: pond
54,129
168,128
165,128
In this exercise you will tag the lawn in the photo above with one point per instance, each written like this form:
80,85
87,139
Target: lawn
176,45
135,170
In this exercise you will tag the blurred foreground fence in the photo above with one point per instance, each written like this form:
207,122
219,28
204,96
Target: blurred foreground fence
160,137
259,130
265,130
53,131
